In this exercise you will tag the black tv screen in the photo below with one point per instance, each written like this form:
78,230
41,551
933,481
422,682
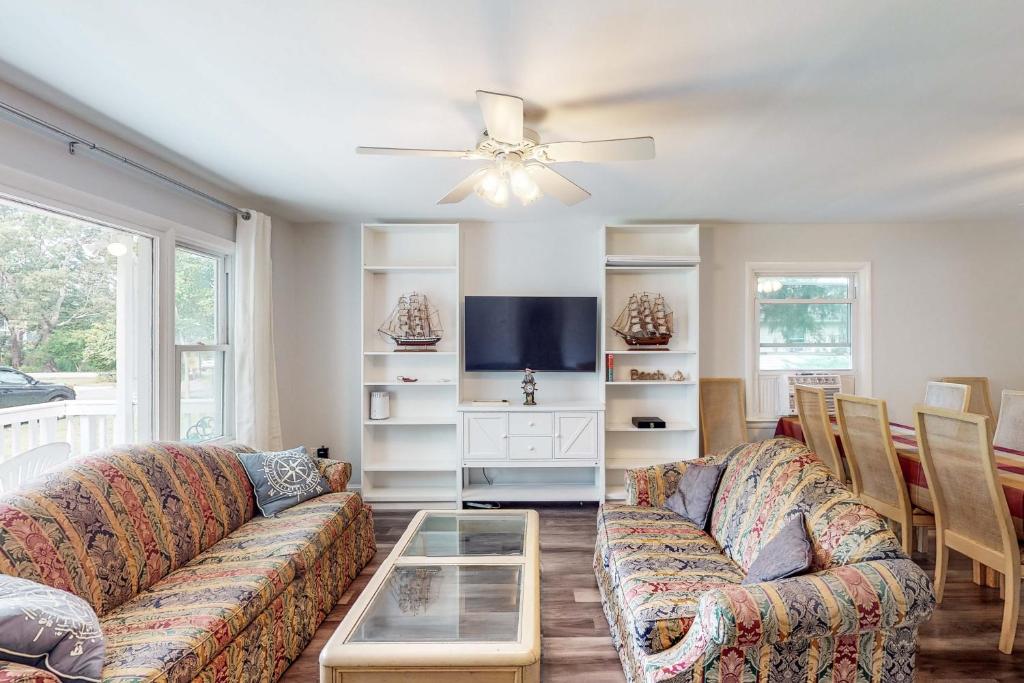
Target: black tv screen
544,333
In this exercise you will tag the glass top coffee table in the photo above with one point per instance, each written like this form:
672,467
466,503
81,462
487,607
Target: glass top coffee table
457,599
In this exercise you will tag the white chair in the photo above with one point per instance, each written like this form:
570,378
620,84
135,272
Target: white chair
947,395
30,464
1010,428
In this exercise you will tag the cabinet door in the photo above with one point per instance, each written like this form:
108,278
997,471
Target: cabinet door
486,436
576,436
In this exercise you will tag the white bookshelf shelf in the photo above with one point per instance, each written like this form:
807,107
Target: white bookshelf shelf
669,427
409,354
408,494
410,421
420,383
409,269
408,460
649,383
625,353
634,247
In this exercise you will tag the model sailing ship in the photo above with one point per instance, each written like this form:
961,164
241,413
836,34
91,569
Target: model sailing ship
645,321
414,325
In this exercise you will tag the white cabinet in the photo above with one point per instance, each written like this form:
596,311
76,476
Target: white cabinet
486,436
524,454
576,436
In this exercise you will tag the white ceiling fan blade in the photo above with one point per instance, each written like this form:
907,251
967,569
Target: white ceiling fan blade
463,189
556,184
626,149
503,116
401,152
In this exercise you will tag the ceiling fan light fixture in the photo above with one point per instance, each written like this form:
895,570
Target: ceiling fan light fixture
523,186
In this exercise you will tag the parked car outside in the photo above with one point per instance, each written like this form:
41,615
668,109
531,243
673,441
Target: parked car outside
19,389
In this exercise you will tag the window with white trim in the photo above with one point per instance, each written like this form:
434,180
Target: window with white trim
805,318
201,345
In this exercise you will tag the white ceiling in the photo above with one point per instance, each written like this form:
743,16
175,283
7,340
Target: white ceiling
790,110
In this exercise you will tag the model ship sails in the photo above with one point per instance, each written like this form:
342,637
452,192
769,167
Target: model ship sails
414,325
646,320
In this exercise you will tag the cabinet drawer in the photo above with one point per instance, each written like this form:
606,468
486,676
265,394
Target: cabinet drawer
530,447
531,424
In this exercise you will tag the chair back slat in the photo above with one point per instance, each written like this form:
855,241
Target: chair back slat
26,466
723,416
870,455
981,395
962,478
947,395
817,428
1010,428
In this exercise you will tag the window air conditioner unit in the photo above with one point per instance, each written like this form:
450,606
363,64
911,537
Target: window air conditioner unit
831,383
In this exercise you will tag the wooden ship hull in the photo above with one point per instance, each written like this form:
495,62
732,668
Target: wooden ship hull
416,343
656,340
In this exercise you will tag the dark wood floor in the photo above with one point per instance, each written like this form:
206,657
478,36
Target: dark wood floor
958,644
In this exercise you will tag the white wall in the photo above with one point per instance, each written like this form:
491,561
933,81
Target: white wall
948,299
38,162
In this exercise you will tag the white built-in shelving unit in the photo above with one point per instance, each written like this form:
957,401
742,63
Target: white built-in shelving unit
409,460
627,447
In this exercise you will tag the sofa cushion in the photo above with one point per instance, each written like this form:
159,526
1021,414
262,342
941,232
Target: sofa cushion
51,629
695,493
200,608
299,533
109,525
787,554
283,479
660,566
765,482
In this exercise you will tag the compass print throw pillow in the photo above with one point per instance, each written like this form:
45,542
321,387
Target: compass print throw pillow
50,629
283,479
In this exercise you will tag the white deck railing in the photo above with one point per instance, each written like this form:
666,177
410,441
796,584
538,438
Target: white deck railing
86,425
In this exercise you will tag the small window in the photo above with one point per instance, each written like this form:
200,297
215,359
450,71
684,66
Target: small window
11,377
805,322
201,345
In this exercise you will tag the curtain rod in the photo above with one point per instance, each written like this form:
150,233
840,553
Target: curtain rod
74,140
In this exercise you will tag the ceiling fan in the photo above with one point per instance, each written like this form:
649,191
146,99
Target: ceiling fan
520,160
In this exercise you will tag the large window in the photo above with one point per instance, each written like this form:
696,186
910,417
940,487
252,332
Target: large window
76,331
202,352
805,318
805,322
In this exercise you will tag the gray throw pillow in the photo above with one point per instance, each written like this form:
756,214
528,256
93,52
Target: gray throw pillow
788,554
283,479
695,492
51,630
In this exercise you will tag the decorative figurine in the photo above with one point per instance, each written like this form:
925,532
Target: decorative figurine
645,322
529,388
678,376
414,325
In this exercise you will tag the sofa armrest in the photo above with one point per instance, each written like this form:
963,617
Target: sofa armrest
23,673
336,472
881,595
650,486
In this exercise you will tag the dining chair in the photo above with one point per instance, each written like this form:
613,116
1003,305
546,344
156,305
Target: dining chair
971,513
981,395
30,464
1010,428
947,395
723,416
817,428
874,466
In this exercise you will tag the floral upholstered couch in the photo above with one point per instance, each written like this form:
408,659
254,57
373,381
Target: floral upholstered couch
672,593
162,541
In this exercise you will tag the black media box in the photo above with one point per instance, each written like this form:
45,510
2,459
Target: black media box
648,423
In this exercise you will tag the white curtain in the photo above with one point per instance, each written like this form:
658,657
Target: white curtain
257,419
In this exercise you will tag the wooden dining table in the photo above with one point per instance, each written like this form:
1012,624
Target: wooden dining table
1009,462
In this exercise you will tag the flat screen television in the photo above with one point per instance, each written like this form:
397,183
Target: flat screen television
544,333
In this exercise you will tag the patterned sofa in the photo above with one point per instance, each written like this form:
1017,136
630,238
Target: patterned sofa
162,541
672,593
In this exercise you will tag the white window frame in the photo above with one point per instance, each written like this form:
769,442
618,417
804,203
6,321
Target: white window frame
25,188
224,313
860,320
